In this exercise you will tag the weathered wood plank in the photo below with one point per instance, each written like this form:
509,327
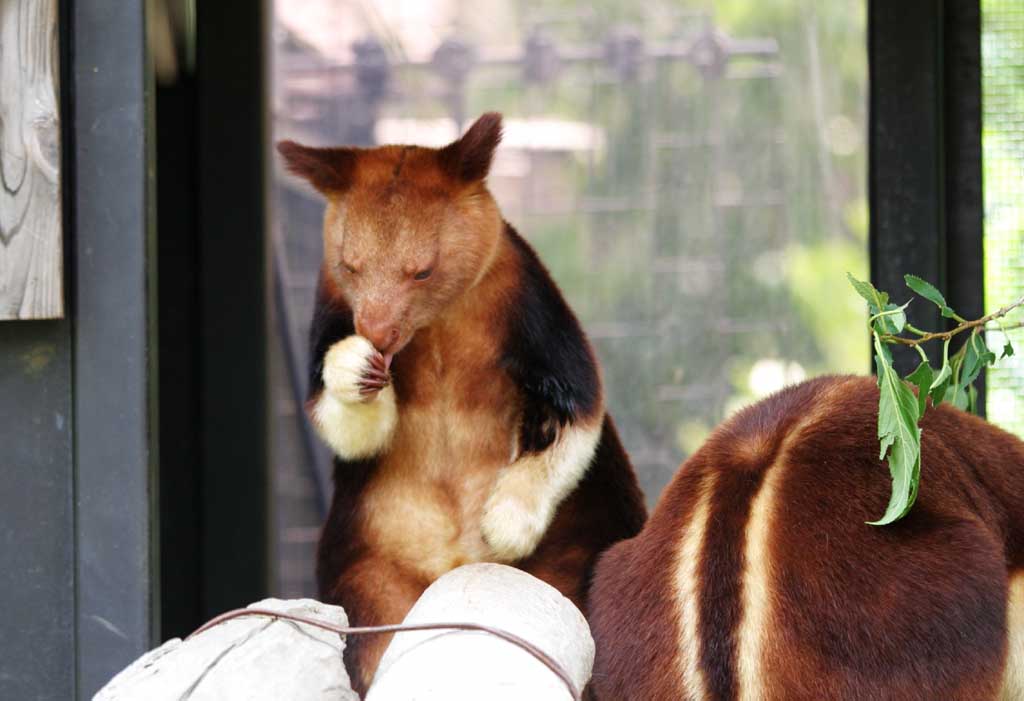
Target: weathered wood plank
31,258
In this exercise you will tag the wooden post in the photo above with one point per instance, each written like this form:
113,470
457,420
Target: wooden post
31,256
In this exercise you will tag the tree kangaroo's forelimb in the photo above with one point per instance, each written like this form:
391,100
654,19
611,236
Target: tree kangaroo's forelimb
355,412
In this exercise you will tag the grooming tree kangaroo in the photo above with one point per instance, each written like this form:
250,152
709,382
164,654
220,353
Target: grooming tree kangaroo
756,576
455,387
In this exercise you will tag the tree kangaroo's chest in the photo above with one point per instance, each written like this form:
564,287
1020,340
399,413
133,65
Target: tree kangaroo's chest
457,420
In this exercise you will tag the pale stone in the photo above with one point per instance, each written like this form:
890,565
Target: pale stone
252,657
448,665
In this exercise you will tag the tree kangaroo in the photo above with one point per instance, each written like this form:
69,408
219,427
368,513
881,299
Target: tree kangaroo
455,386
756,576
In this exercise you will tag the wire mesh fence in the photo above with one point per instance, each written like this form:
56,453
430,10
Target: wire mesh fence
1003,154
693,176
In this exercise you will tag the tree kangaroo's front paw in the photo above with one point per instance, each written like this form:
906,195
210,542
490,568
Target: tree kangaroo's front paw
513,522
354,371
356,414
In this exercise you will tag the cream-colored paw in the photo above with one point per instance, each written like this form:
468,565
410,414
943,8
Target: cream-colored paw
356,414
356,430
526,495
512,525
347,365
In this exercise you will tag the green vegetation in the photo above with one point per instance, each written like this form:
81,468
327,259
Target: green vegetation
706,247
1003,158
899,410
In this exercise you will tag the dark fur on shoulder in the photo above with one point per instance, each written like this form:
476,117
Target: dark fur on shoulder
543,353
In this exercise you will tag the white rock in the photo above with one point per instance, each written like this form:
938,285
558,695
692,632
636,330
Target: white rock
252,657
448,665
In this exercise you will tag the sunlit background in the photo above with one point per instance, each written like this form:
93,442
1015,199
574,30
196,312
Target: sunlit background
1002,49
693,175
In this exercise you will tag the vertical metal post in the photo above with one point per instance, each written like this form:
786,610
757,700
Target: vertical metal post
37,555
181,463
965,255
234,290
905,175
925,155
115,361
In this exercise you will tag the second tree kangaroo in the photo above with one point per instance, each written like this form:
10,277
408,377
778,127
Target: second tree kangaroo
757,578
454,385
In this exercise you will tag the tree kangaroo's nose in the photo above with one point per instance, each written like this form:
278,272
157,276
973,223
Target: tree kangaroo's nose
380,330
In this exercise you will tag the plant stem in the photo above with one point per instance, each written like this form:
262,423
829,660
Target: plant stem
965,326
890,312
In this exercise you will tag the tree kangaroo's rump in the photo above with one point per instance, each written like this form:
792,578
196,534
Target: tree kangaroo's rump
455,386
756,576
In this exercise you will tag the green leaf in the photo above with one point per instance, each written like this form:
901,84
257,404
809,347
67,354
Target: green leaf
925,289
893,323
957,363
922,379
957,396
899,437
885,438
876,299
886,358
929,292
975,359
1007,347
937,390
864,289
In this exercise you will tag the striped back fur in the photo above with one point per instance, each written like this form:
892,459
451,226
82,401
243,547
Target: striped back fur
756,577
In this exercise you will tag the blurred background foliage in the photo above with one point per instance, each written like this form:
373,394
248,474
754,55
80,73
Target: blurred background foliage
749,208
693,172
703,223
1003,162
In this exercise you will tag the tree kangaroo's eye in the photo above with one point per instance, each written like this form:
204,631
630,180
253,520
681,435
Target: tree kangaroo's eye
349,269
423,274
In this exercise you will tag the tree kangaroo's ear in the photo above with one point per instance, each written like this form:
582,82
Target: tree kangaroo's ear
329,170
469,159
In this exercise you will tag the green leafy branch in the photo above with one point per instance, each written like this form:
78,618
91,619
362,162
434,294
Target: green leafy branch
899,410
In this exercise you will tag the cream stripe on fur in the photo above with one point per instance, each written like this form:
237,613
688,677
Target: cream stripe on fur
528,492
1013,677
756,592
687,591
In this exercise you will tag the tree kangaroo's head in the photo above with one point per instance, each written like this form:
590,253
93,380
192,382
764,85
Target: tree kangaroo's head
407,229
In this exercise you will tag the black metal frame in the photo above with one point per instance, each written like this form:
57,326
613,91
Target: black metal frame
79,394
80,398
235,292
214,283
925,154
114,243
